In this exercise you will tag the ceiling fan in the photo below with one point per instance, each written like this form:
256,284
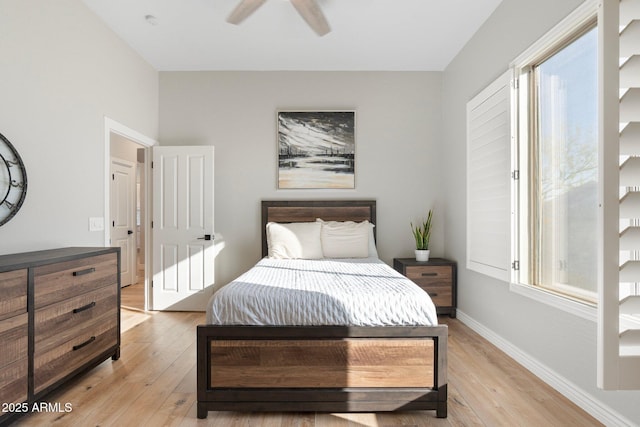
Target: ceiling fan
308,9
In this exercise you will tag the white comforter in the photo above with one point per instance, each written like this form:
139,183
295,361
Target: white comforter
355,292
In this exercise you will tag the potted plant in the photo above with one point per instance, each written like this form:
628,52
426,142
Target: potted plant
422,234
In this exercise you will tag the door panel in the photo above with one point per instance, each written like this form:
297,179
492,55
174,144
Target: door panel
123,214
183,259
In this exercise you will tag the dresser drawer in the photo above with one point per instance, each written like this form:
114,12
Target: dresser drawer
13,288
14,339
64,358
61,322
57,282
13,382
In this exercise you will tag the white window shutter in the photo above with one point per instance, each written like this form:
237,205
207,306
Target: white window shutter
619,281
488,180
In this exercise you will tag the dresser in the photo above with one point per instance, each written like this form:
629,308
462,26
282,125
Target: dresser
13,336
59,316
437,277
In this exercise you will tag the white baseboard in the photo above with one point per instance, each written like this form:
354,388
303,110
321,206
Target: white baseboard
584,400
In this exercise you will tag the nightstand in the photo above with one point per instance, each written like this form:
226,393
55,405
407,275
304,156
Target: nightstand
437,277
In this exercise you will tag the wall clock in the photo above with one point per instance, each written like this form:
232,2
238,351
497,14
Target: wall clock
13,181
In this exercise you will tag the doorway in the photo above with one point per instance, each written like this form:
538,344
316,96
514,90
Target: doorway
128,194
127,146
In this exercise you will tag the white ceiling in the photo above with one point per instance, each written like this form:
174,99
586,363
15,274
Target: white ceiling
394,35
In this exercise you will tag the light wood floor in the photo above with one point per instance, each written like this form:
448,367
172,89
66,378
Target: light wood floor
132,296
154,384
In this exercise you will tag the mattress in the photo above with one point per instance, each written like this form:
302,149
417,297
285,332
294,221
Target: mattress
354,292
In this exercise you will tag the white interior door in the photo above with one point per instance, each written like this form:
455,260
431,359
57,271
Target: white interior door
182,227
123,214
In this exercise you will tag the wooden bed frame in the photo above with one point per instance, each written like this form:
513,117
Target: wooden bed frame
321,368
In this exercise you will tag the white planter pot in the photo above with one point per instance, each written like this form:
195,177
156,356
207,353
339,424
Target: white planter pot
422,255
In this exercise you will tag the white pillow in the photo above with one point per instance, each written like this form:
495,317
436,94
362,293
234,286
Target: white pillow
346,239
373,251
294,240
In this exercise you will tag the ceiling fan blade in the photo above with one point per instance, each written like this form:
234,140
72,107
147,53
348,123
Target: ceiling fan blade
243,10
312,13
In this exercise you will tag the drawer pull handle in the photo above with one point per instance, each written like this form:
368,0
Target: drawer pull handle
83,272
433,294
84,307
429,274
87,342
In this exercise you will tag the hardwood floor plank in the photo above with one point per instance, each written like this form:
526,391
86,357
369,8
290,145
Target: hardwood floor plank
159,389
132,318
460,410
171,412
412,419
232,419
345,420
302,419
132,296
188,383
111,406
154,383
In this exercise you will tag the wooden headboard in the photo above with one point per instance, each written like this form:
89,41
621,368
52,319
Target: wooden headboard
309,210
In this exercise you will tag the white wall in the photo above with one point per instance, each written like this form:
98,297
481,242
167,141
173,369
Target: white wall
398,142
565,344
62,72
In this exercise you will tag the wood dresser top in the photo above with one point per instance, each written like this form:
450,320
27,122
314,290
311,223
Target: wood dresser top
49,256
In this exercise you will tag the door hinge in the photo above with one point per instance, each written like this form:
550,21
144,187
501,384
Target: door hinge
515,175
113,177
151,224
113,223
151,165
152,283
515,265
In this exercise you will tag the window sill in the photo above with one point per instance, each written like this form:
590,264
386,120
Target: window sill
584,310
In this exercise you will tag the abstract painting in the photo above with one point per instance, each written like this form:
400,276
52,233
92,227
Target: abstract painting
316,149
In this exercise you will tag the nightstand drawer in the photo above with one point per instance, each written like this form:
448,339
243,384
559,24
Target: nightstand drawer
432,275
437,277
434,280
442,296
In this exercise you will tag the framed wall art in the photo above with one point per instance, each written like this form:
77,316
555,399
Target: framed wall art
316,149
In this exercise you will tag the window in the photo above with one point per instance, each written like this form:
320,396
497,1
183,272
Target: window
563,194
557,164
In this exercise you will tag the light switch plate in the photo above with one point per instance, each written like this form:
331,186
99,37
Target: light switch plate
96,224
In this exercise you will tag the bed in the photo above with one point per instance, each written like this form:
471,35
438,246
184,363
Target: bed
332,367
